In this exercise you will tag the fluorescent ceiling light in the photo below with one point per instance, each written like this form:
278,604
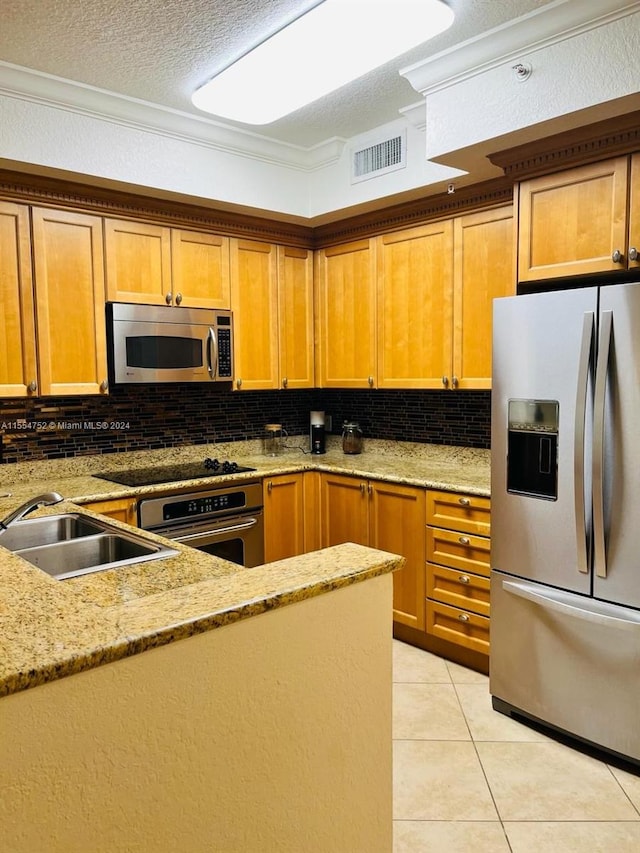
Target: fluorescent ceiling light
334,43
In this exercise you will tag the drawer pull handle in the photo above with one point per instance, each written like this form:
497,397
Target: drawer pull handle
464,501
463,540
464,579
463,617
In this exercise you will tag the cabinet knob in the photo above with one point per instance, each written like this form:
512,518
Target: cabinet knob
238,383
464,501
633,254
32,387
463,617
463,540
454,382
464,579
285,382
269,486
178,298
168,298
445,381
104,385
617,257
370,381
363,488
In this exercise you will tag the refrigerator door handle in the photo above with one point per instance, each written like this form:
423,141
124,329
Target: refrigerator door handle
584,364
555,602
604,347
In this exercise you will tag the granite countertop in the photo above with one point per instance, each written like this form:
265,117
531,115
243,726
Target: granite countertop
51,628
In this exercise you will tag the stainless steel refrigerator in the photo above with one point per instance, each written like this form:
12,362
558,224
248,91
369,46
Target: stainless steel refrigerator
565,505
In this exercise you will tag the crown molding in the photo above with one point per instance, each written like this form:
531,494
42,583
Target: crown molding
598,141
57,92
551,24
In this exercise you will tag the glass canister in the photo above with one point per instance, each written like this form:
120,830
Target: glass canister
351,437
273,440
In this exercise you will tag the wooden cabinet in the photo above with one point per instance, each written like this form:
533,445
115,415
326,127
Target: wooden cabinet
415,306
157,265
346,315
284,510
295,318
580,221
458,568
272,302
70,296
254,300
386,516
122,509
18,369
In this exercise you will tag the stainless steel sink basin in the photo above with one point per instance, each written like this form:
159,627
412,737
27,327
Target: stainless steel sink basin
68,545
47,530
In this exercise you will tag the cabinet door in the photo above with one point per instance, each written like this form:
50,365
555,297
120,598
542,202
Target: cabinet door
283,517
18,340
484,268
573,221
345,510
415,301
200,269
69,274
634,214
397,525
122,509
254,300
345,339
138,262
295,312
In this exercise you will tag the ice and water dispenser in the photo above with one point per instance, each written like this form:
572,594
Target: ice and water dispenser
532,448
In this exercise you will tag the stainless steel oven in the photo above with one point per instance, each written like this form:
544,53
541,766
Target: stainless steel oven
226,522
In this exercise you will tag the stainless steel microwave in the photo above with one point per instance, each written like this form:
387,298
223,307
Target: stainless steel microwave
154,343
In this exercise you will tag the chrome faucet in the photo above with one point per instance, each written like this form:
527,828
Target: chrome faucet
47,499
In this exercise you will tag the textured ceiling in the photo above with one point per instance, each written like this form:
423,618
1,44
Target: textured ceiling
159,51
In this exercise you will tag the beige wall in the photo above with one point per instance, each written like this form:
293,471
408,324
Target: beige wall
272,734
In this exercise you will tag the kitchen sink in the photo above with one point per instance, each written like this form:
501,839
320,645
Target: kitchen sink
47,530
65,546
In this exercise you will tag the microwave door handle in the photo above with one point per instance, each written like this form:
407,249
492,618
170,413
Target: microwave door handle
212,343
599,545
586,348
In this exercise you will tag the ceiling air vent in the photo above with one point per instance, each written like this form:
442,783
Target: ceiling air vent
378,159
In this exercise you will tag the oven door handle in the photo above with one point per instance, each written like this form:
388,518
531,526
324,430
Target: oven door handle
216,531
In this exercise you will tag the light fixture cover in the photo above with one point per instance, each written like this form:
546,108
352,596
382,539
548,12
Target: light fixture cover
332,44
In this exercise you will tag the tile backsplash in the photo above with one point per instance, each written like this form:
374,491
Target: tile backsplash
151,417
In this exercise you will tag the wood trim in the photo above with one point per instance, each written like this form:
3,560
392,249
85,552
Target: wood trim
599,141
498,191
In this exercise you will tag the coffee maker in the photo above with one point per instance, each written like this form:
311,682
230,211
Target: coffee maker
317,437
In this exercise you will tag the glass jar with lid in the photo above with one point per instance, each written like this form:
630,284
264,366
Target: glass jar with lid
351,437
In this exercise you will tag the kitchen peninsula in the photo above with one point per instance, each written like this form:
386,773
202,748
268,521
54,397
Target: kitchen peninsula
243,716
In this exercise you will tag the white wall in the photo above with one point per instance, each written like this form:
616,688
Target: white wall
272,734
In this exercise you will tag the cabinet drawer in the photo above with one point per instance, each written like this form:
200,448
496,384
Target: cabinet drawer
458,626
468,513
459,551
470,592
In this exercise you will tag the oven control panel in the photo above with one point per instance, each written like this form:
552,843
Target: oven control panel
203,506
173,509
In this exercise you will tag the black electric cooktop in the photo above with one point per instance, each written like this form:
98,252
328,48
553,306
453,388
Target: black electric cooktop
173,473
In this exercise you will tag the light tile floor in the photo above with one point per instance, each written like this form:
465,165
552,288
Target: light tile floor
469,779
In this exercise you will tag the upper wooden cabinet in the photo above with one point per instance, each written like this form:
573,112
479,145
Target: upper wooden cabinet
579,221
484,269
272,302
436,286
346,315
70,297
254,300
18,342
295,317
157,265
415,306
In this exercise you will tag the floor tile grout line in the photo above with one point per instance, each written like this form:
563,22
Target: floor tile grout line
623,789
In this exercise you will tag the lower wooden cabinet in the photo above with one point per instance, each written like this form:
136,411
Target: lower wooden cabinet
457,569
283,498
122,509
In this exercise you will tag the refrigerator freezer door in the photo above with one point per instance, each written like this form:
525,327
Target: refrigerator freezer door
541,354
617,538
568,661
